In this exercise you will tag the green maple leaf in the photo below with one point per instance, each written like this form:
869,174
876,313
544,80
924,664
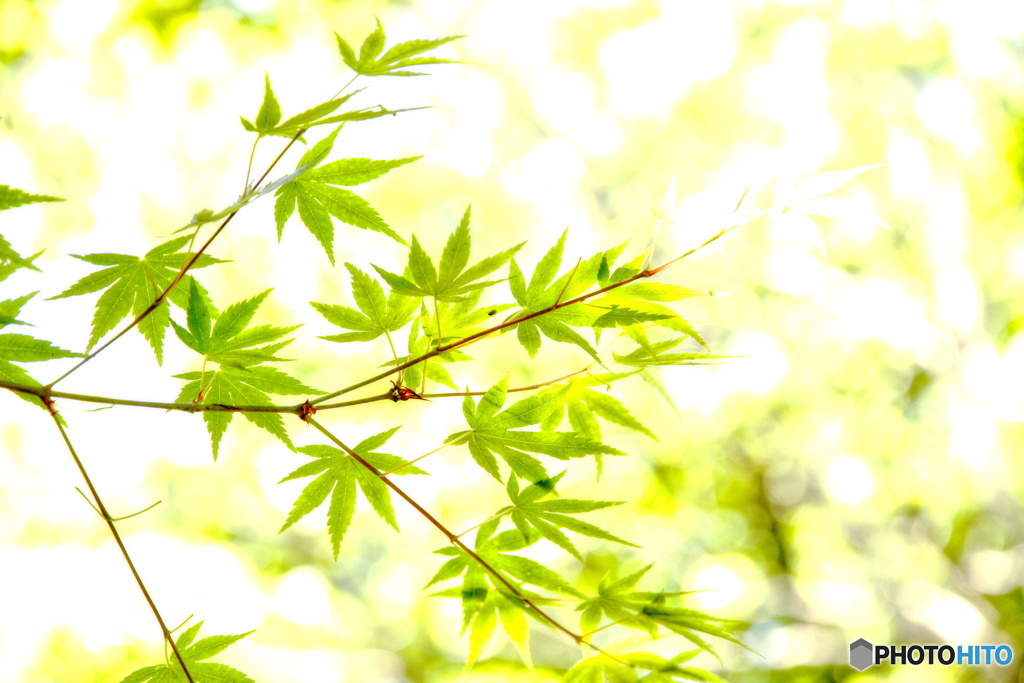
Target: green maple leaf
584,405
639,300
485,600
319,197
132,284
370,61
655,354
459,319
648,611
450,322
11,197
377,314
11,260
11,308
21,348
544,291
508,610
337,474
227,341
451,280
550,516
241,380
493,434
193,653
497,550
269,116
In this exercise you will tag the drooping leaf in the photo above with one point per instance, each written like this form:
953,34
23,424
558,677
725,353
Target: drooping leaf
655,354
337,476
616,601
240,386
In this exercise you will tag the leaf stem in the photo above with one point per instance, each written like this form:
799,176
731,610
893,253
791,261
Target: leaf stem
457,542
102,510
404,465
647,272
248,169
394,353
181,273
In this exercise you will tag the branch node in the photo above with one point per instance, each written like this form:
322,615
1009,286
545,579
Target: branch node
306,410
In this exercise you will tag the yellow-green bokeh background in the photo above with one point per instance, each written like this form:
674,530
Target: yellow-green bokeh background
856,474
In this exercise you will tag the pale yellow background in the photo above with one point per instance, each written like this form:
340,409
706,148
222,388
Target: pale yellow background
856,474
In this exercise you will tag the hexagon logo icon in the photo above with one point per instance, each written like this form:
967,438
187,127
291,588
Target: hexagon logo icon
861,654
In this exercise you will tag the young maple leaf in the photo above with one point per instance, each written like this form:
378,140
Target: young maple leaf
132,284
193,654
11,197
370,61
647,611
338,473
378,314
241,379
451,280
485,600
550,516
319,197
492,433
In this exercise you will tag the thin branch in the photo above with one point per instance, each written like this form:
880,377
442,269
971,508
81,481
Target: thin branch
42,393
181,273
115,519
484,333
102,510
457,542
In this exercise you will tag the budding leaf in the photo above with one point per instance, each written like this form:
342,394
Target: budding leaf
270,111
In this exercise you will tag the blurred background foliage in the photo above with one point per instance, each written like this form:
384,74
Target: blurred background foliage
857,473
